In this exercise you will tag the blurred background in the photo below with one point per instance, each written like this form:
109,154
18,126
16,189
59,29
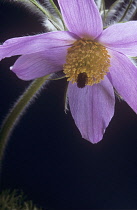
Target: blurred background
46,156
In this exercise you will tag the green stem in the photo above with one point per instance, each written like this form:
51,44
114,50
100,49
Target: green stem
51,18
17,110
57,11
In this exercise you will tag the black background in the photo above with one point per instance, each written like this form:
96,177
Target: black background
46,156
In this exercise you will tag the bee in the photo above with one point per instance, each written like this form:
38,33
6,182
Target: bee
82,80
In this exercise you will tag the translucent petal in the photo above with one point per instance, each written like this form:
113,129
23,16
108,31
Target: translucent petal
38,43
121,37
120,11
35,65
123,76
92,108
81,17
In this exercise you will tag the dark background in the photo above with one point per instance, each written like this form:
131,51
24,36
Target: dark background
46,156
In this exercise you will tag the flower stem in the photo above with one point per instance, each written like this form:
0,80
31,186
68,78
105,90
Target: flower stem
51,18
18,109
57,11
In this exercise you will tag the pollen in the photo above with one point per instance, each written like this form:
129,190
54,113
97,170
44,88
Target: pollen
87,62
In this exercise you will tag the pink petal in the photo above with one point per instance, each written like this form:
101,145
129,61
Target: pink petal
121,37
28,67
36,43
81,17
92,108
123,75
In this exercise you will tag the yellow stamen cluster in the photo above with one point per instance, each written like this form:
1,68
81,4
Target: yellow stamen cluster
86,59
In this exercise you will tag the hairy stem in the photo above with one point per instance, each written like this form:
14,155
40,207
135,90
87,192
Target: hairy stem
57,11
50,17
18,109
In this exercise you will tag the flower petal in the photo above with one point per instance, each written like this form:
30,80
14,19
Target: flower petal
81,17
28,67
123,76
92,108
121,37
36,43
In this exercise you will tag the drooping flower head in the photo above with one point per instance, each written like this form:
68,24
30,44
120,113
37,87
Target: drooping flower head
95,61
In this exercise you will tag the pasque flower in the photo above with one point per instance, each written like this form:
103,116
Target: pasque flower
95,61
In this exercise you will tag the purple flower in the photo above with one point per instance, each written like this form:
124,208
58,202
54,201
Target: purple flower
94,61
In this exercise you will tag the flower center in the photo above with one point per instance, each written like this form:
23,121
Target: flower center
87,62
